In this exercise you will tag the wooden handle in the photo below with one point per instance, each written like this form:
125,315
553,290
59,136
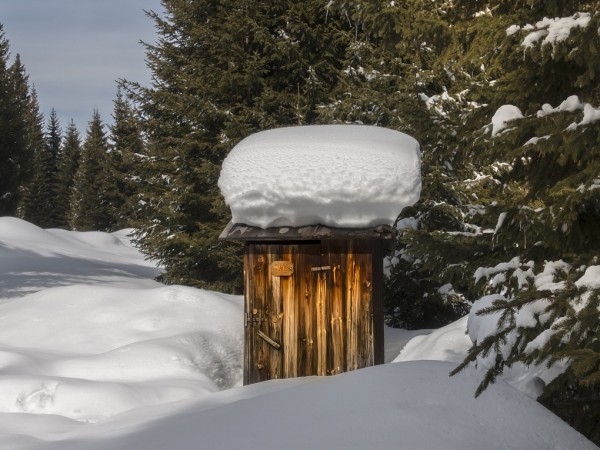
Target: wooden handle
268,340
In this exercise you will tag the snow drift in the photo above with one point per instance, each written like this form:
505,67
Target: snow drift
117,361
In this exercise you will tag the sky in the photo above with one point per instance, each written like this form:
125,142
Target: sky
75,50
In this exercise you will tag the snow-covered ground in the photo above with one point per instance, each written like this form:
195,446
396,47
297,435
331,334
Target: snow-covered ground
96,355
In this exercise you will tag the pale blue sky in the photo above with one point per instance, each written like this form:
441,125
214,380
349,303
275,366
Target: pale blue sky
75,50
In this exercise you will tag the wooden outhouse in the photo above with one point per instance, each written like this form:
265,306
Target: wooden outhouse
313,299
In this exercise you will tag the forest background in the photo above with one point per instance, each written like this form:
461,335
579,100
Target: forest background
502,202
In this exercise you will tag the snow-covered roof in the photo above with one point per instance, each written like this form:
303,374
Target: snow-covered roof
336,175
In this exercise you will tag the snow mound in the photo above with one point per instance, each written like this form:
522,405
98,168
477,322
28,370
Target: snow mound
450,343
413,405
32,259
85,334
90,353
88,363
334,175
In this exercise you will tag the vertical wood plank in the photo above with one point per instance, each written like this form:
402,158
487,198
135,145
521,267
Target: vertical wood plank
352,308
310,312
290,318
303,298
365,350
259,281
335,311
321,328
255,299
359,325
306,289
272,326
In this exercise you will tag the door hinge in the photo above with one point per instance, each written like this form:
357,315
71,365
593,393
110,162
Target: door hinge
251,318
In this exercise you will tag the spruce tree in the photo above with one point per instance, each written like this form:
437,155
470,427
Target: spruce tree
91,209
508,198
39,203
222,70
394,62
54,148
6,138
34,204
127,151
68,162
14,152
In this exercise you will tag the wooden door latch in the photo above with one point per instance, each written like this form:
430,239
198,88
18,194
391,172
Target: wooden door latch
268,340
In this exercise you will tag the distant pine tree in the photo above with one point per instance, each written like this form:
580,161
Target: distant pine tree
15,155
127,150
54,147
91,209
68,163
34,205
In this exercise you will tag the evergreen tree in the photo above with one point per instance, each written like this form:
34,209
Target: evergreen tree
127,152
34,205
39,202
394,63
54,148
544,205
90,198
68,162
510,197
54,136
14,104
222,70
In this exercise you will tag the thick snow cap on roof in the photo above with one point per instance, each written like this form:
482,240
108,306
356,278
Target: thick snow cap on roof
346,176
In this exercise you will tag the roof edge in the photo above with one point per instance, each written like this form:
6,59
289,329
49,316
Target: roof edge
243,232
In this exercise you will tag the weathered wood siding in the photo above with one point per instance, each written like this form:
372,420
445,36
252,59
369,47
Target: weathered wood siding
319,320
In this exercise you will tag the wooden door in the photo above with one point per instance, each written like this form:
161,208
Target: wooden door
317,320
